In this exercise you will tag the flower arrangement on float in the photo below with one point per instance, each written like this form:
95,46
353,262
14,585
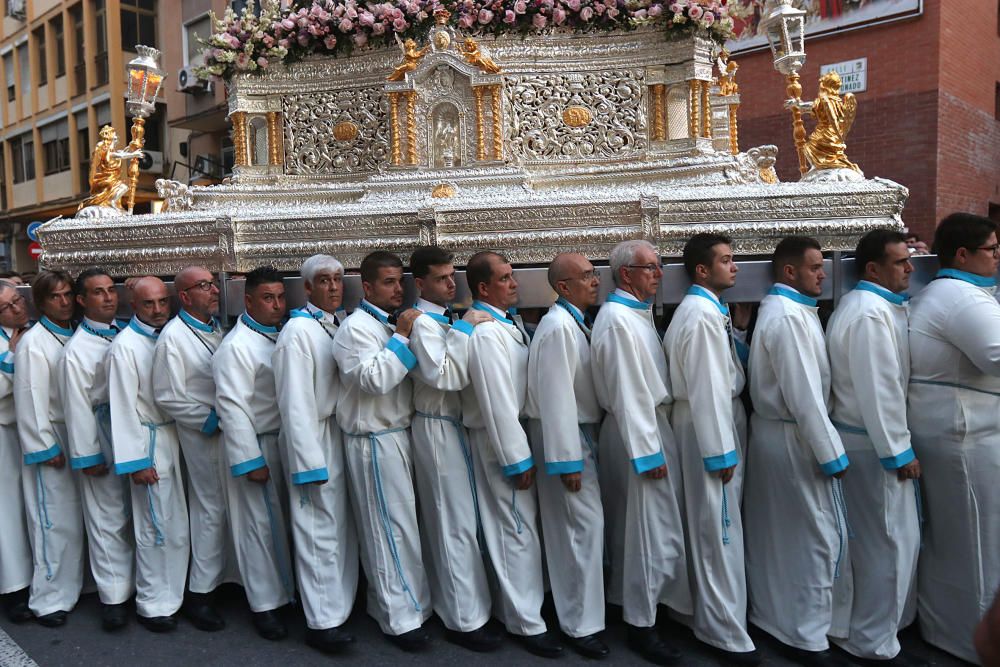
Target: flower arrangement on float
253,40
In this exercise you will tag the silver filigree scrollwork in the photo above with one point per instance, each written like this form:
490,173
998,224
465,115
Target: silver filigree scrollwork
342,131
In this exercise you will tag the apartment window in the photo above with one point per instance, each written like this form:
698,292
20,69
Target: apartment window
84,147
194,32
55,146
138,23
101,44
22,156
60,37
43,70
239,5
80,68
8,72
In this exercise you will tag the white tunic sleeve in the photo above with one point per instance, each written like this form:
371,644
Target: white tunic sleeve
234,387
77,382
881,396
295,381
557,362
797,371
493,382
704,360
442,356
32,396
364,361
6,374
129,438
170,389
632,403
974,328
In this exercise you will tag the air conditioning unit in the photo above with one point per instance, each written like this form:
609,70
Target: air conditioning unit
151,162
188,82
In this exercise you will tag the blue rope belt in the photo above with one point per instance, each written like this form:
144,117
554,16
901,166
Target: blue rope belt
467,455
725,516
43,521
151,489
383,508
284,570
102,414
585,432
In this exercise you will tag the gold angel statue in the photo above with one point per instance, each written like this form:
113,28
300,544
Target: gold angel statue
474,55
826,147
727,74
411,58
107,187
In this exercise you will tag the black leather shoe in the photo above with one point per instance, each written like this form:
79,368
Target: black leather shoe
749,658
200,611
480,640
590,646
53,620
269,625
16,606
330,640
157,623
414,640
813,658
648,644
114,616
544,645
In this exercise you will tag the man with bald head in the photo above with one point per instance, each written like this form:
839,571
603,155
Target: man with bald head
185,391
563,430
145,444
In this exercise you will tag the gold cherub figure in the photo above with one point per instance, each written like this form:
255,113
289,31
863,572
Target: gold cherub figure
106,185
476,56
411,58
826,147
727,74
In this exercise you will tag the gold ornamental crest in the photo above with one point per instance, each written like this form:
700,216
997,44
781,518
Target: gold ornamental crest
345,131
577,116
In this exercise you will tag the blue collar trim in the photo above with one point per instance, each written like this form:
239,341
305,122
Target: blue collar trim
374,311
698,290
193,321
142,328
302,312
971,278
96,331
422,304
257,326
4,334
791,294
891,297
486,308
629,301
436,317
54,328
571,309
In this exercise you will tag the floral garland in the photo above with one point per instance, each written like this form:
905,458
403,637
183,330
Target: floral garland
254,40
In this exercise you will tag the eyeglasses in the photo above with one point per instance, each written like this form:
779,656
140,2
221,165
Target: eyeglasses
16,302
203,285
995,249
645,267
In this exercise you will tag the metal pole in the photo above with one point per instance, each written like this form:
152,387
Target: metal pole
838,276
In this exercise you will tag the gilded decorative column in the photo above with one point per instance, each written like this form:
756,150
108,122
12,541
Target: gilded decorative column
693,100
706,111
734,137
480,122
397,154
497,127
411,127
658,103
274,143
239,120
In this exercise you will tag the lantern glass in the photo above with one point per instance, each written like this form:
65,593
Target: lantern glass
784,26
144,80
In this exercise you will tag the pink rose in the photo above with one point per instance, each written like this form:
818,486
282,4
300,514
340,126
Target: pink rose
586,14
465,21
708,18
242,61
360,39
330,42
520,7
695,12
346,25
509,17
399,25
303,39
485,16
574,5
559,16
378,29
288,24
655,10
613,12
366,19
539,21
284,43
233,41
639,14
262,62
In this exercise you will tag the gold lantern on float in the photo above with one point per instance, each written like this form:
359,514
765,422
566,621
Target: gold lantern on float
144,80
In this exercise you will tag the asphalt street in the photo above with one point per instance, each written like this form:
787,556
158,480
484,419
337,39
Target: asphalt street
81,642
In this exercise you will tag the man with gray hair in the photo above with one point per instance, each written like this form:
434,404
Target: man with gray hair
15,551
631,382
307,383
185,390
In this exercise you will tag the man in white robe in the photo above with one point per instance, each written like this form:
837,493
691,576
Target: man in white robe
708,420
107,505
306,379
51,496
442,457
794,516
954,418
639,453
372,350
145,444
256,485
868,342
505,468
565,419
15,549
185,391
